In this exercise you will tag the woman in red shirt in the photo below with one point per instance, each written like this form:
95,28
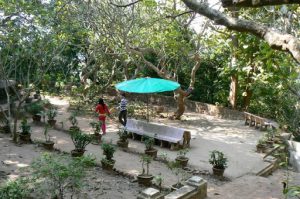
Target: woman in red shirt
102,109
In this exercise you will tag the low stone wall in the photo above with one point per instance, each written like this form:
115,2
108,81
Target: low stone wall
198,107
194,188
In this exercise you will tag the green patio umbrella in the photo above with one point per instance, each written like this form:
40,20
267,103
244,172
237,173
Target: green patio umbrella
147,85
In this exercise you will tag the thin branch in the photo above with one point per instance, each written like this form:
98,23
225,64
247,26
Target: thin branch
126,5
175,16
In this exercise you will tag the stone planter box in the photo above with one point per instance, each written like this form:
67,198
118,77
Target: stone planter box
294,149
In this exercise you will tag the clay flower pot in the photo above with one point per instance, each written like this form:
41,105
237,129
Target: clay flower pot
25,137
261,148
218,172
77,152
108,164
48,145
151,152
182,160
122,143
145,180
36,118
52,122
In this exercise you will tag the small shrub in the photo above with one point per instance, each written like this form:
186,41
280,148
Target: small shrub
80,140
108,150
73,119
15,189
218,160
149,142
56,173
25,127
51,113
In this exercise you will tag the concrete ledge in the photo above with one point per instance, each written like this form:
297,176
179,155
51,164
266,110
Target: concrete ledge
294,150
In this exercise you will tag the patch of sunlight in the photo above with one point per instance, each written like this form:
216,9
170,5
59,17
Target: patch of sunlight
62,142
57,101
135,172
10,162
22,165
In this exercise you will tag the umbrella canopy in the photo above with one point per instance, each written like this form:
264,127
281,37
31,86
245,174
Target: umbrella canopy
147,85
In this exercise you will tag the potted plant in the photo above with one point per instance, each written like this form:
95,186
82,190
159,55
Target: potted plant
48,144
35,109
149,142
73,120
261,146
219,162
25,134
145,178
181,157
108,162
123,138
80,140
51,114
97,129
176,169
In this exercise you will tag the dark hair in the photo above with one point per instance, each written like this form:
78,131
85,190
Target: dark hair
101,101
123,94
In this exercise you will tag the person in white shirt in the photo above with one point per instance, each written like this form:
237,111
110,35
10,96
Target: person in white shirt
123,110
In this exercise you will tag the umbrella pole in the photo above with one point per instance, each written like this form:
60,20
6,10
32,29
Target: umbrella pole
147,107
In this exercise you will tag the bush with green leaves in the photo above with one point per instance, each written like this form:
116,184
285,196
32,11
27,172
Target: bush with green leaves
15,189
123,134
57,174
25,127
182,153
149,142
218,159
177,170
108,150
80,139
73,119
146,160
51,113
96,126
35,108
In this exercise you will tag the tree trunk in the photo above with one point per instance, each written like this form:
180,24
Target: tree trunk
180,104
233,91
234,77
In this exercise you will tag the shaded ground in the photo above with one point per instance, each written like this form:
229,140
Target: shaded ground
230,136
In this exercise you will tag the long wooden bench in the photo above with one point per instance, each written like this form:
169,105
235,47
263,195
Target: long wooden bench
258,122
176,137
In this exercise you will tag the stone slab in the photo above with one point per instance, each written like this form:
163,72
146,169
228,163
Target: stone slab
181,193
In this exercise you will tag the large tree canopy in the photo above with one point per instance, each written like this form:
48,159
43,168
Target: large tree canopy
275,38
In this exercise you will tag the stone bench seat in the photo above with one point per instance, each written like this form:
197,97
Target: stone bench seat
174,136
258,122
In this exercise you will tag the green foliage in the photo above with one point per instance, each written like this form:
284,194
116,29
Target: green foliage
123,134
146,160
149,142
183,152
218,160
108,150
25,127
46,135
35,108
96,126
80,139
176,169
56,173
15,189
73,119
51,113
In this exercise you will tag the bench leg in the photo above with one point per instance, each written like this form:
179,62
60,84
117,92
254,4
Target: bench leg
174,146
